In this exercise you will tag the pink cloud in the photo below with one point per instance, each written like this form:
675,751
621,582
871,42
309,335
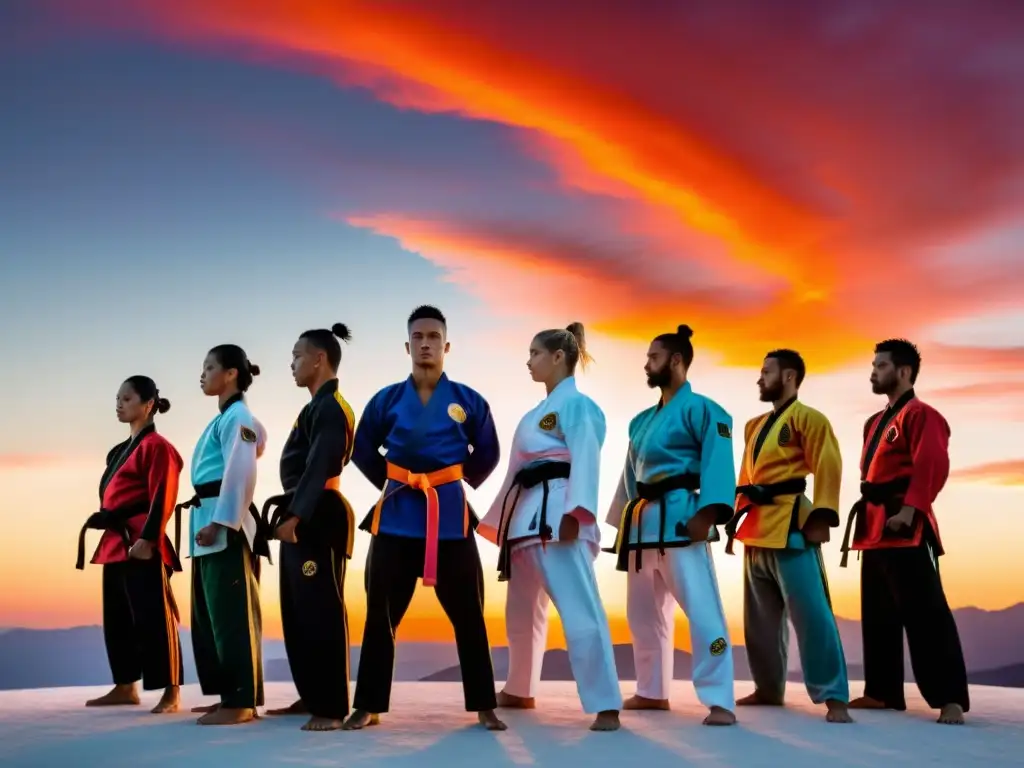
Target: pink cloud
1010,472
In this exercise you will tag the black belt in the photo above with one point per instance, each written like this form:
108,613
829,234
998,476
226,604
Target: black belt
873,493
527,478
110,520
761,496
281,505
211,490
647,492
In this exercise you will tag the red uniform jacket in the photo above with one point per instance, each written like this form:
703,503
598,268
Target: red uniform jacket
140,472
907,443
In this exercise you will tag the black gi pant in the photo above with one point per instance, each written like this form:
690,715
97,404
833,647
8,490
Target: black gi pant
901,589
139,625
395,565
313,613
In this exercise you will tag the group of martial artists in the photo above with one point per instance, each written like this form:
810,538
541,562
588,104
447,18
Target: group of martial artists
421,439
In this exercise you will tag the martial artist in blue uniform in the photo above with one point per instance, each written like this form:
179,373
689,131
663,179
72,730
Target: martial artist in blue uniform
422,524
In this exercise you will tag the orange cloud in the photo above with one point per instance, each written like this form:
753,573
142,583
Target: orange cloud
629,295
830,185
1010,472
11,461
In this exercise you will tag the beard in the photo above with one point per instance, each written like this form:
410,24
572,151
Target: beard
660,378
883,387
772,393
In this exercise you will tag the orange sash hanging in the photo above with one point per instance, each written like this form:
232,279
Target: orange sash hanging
426,482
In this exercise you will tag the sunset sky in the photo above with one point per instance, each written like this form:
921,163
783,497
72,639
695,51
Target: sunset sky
179,174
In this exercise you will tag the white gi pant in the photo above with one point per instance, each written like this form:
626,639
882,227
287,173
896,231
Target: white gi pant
683,575
563,571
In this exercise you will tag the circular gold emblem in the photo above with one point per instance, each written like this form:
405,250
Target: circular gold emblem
891,434
785,435
548,422
718,647
309,568
457,413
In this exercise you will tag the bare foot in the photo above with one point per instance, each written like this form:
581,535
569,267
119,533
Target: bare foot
720,716
838,712
169,702
490,721
951,714
510,701
295,708
866,702
360,719
119,695
639,702
228,716
323,724
757,699
606,721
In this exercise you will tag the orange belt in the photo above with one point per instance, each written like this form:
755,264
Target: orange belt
427,483
334,484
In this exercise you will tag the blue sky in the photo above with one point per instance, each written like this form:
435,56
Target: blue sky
167,185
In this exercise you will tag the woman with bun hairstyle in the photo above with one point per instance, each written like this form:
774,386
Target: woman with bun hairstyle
226,621
544,520
137,494
678,484
315,526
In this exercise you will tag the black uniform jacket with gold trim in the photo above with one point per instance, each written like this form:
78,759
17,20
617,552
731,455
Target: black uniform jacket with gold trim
317,449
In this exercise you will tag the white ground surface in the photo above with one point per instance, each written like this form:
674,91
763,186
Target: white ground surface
429,727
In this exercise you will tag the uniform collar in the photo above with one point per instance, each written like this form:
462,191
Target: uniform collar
327,389
237,398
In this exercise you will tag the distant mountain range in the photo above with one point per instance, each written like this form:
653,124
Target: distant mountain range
34,658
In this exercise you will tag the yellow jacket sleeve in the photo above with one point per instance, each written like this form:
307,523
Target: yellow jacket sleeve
824,461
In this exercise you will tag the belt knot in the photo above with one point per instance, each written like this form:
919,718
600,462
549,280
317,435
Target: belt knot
419,481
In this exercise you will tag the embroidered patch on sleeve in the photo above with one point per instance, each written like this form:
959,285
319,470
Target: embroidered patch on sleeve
718,647
248,435
785,435
548,422
723,430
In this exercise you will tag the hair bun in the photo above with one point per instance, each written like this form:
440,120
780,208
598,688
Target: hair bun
341,331
254,370
685,331
163,405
